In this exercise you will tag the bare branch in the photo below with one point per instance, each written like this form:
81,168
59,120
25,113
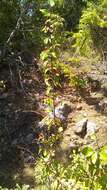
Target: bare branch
17,27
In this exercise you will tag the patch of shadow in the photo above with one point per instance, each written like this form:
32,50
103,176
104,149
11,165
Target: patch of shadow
10,164
16,146
13,170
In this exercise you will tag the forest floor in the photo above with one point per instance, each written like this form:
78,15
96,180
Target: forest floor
20,112
86,111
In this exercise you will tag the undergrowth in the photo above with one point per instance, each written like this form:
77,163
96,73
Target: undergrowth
87,166
85,170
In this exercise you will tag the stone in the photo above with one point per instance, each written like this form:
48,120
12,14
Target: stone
85,128
91,128
81,128
62,110
97,97
103,106
79,107
85,114
95,81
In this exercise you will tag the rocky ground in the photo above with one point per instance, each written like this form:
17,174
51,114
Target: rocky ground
22,118
89,117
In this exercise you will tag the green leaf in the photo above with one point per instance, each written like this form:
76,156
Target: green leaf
46,41
50,101
94,157
88,151
104,147
53,55
103,153
45,12
51,2
44,55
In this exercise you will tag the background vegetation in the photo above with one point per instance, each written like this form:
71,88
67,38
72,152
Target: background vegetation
41,31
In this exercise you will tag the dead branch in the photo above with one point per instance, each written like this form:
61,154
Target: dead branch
17,27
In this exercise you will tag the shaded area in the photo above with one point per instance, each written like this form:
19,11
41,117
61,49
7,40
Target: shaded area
19,115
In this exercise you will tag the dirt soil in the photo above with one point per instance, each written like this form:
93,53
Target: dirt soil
20,111
86,107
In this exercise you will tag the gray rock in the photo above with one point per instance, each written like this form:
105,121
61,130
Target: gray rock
81,128
91,128
97,96
103,105
85,128
61,112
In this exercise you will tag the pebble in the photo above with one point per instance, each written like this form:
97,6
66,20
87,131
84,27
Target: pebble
79,107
